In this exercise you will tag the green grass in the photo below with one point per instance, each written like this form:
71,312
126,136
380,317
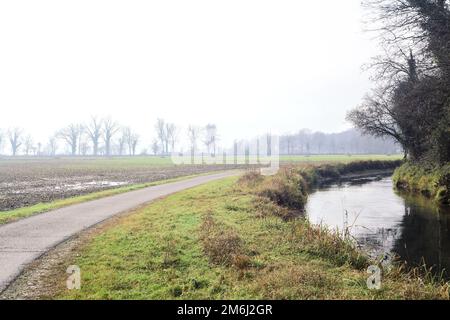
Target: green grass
430,181
172,249
20,213
129,162
94,162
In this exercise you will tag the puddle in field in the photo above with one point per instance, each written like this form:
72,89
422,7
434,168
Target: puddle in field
37,188
91,184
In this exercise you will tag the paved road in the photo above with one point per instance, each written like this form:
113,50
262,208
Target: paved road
23,241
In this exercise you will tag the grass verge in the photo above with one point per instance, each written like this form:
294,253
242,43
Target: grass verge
210,242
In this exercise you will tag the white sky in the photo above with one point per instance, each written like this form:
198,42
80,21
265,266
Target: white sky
248,66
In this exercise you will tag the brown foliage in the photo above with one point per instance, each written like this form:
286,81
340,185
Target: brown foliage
223,247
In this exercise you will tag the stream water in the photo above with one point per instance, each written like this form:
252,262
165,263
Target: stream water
385,221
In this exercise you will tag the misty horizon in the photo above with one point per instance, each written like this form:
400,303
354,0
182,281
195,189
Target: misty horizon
243,66
302,142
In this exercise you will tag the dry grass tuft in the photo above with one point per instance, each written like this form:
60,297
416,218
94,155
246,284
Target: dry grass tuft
170,256
264,208
417,283
250,179
293,282
320,241
223,247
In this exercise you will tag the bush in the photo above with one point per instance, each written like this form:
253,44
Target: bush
287,189
335,171
264,208
250,179
358,166
430,181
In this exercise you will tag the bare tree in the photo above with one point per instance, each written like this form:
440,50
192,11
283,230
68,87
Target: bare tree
413,78
193,135
110,128
134,142
421,25
155,147
28,144
289,141
15,139
71,135
52,145
171,136
211,138
161,132
39,149
377,116
131,140
122,142
94,132
167,135
83,146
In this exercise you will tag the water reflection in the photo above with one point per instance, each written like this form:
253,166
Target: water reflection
382,220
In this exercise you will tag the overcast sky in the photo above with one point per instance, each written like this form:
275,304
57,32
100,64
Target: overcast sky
248,66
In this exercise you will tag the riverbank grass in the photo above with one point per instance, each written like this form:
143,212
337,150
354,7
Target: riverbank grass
212,242
430,181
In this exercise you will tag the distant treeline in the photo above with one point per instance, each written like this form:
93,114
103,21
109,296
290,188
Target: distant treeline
105,137
347,142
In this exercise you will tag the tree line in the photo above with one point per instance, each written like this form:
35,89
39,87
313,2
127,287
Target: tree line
106,137
348,142
95,137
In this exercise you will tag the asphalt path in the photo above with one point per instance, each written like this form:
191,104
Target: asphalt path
23,241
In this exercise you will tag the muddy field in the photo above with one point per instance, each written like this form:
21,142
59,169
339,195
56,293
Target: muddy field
24,182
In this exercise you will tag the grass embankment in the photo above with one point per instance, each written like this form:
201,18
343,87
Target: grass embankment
317,174
16,214
430,181
317,159
231,240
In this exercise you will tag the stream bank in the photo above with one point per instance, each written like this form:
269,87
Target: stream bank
430,181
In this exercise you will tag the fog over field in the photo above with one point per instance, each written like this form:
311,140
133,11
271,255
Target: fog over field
190,150
247,66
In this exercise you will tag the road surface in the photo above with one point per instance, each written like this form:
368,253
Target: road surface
23,241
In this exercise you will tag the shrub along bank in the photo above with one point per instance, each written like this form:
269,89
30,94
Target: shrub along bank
315,175
430,181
